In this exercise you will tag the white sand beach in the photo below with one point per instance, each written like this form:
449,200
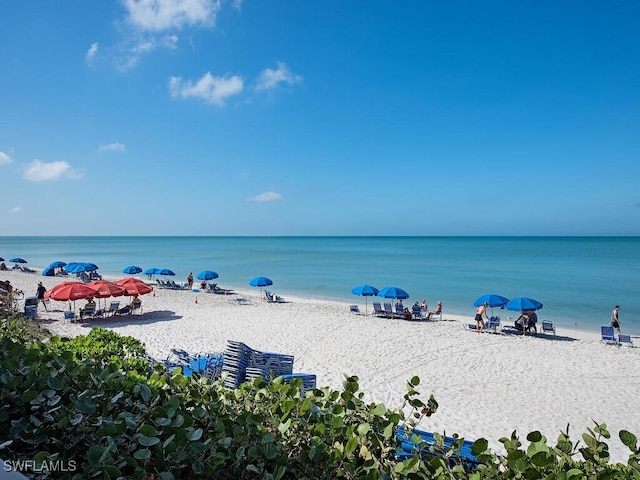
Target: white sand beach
487,385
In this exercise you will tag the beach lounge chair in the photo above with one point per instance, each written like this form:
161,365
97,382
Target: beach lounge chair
69,315
354,309
87,311
388,310
607,335
113,308
377,310
625,340
547,327
425,443
417,313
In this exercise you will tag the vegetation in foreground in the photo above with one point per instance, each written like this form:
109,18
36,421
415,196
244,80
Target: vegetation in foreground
95,407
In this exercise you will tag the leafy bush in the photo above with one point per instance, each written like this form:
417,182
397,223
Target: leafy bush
95,403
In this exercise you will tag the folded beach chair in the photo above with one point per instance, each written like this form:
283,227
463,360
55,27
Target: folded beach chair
547,327
607,335
354,309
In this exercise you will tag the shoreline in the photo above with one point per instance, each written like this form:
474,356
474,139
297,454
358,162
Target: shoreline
487,385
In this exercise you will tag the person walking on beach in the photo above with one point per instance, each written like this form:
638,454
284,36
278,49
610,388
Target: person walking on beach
480,312
615,320
190,280
40,295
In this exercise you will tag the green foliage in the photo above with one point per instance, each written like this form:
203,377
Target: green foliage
96,402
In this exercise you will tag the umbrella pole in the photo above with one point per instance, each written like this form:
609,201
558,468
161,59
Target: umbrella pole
366,304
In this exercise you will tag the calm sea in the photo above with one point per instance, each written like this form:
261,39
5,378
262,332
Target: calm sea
578,279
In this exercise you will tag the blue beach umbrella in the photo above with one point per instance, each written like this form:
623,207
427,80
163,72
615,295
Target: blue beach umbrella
131,269
260,282
18,260
57,264
1,259
151,271
207,275
492,299
48,272
78,267
393,292
365,291
165,271
523,304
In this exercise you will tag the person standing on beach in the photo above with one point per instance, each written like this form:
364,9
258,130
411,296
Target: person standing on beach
480,312
615,320
190,280
40,295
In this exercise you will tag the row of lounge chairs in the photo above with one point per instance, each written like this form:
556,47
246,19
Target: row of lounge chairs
495,325
214,288
387,311
90,311
23,269
170,284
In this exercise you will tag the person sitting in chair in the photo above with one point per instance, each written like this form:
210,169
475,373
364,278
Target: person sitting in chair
91,304
437,311
407,313
128,309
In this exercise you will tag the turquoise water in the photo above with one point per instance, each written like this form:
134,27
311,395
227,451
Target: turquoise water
579,279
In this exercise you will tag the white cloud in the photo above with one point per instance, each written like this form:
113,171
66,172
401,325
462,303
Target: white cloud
111,147
5,159
16,210
213,90
237,4
265,197
38,171
270,78
91,53
158,15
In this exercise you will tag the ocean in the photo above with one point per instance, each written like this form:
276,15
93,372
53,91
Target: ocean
578,279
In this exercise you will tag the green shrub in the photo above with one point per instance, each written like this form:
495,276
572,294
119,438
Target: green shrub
93,402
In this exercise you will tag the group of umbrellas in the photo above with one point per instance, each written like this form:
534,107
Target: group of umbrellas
519,304
72,291
387,292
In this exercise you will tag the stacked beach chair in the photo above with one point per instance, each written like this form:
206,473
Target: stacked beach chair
241,364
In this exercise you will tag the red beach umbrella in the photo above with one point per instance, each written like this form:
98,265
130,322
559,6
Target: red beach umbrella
133,286
104,289
68,291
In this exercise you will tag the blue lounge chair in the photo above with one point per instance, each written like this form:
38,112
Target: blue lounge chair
113,308
625,340
354,309
419,441
416,312
388,310
608,335
547,327
377,310
69,315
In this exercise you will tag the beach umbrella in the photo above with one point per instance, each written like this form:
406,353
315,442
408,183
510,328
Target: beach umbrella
365,291
68,291
165,271
207,275
104,288
57,264
1,259
393,292
492,300
260,282
133,286
79,267
131,270
48,272
18,260
151,271
523,304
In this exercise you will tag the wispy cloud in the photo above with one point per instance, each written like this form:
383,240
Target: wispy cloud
211,89
111,147
162,15
15,210
270,78
265,197
38,171
236,4
5,159
92,52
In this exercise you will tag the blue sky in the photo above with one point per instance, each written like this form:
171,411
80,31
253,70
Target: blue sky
203,117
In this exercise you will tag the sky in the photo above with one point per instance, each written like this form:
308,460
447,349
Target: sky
289,117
